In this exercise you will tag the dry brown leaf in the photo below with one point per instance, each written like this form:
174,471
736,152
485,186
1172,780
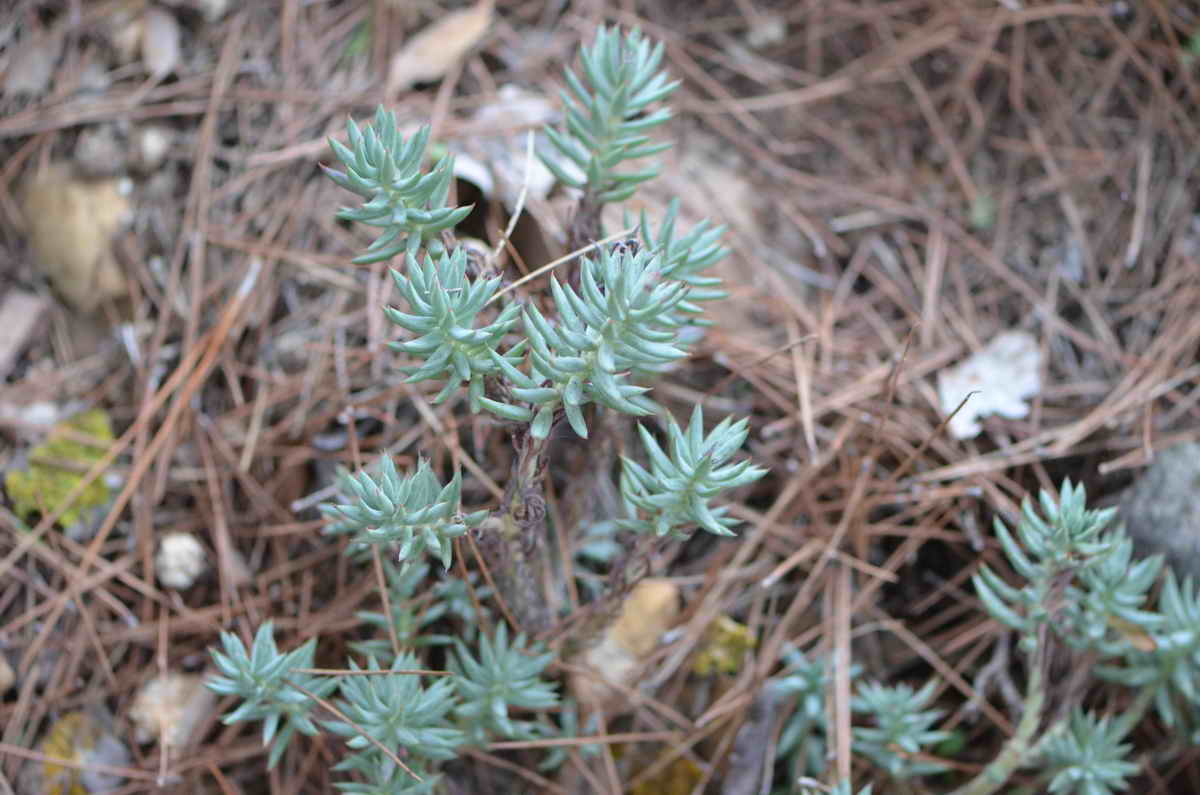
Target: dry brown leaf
71,226
437,48
160,42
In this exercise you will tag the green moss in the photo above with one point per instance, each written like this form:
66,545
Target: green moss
57,466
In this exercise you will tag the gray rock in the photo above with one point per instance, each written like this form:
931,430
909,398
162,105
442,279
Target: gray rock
1161,511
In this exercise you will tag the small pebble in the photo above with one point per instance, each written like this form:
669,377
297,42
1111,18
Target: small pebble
180,561
170,708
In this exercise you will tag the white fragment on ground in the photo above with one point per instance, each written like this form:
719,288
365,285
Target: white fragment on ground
506,155
99,152
123,28
7,676
160,42
768,30
151,146
474,171
21,315
1003,376
170,707
213,9
31,66
181,559
38,417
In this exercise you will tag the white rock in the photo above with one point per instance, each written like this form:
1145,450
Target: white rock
7,676
160,42
170,707
770,29
180,561
153,144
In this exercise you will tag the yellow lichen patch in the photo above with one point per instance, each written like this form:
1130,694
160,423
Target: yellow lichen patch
678,778
58,465
725,645
82,738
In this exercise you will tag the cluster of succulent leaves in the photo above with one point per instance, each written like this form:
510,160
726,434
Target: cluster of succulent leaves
416,625
502,676
388,706
444,305
414,512
616,325
402,199
677,488
684,258
805,684
629,312
1075,576
1168,668
607,118
628,315
1085,755
902,728
269,685
1080,582
843,787
895,731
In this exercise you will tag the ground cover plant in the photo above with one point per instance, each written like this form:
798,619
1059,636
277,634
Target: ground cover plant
627,316
405,498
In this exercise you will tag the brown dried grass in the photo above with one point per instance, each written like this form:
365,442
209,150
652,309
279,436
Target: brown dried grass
866,137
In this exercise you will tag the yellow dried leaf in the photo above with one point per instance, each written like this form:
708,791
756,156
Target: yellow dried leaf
71,226
1137,637
649,611
437,48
